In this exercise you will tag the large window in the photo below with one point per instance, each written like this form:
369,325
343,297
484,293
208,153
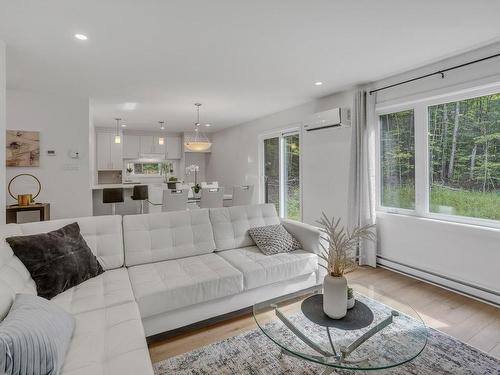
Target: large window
464,146
441,157
281,173
397,159
145,168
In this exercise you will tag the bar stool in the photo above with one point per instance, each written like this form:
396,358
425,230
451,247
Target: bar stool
140,193
113,196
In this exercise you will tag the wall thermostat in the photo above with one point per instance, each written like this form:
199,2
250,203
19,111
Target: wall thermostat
74,154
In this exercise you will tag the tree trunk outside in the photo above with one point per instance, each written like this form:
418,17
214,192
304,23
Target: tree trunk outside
454,140
445,142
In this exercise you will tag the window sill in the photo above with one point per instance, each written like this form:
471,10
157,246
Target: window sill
443,219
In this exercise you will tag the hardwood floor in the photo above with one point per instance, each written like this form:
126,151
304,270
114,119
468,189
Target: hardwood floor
471,321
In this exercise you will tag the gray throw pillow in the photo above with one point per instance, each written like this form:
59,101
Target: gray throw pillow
273,239
34,337
56,260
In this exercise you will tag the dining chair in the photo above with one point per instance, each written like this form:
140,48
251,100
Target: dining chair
187,187
174,200
212,197
209,185
242,195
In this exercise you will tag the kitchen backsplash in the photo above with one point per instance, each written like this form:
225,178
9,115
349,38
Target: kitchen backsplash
109,177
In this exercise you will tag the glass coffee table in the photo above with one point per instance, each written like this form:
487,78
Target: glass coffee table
372,336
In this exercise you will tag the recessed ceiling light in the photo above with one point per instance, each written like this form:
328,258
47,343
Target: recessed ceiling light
129,106
208,125
318,83
81,37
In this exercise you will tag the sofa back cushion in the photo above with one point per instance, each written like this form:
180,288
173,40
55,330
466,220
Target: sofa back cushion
231,224
103,234
167,235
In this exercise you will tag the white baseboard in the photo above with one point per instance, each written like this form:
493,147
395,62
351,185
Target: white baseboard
484,295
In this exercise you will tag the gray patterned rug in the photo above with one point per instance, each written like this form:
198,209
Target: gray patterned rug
253,353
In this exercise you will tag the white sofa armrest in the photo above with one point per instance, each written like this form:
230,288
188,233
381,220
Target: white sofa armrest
308,235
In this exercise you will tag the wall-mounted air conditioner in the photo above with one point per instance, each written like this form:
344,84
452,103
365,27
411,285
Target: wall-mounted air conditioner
333,118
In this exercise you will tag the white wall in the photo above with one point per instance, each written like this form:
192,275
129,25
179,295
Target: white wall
465,253
63,123
2,130
325,157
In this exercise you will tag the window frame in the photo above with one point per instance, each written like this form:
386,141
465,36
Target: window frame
280,134
422,158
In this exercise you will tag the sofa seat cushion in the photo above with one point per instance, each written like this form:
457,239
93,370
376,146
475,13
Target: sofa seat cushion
108,341
108,289
259,269
169,285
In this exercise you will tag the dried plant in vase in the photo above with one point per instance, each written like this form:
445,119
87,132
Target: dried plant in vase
338,251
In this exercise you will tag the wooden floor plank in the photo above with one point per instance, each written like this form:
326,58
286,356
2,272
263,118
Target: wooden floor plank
464,318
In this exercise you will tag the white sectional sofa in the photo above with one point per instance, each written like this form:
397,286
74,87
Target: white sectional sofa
162,271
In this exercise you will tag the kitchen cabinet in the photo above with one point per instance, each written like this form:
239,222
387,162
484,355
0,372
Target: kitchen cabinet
174,147
109,153
131,146
147,144
157,147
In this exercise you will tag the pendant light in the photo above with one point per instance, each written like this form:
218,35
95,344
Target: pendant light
201,142
161,140
117,136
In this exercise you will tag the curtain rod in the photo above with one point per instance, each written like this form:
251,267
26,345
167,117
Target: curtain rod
439,72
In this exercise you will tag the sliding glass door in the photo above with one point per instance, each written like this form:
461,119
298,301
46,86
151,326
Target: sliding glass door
281,173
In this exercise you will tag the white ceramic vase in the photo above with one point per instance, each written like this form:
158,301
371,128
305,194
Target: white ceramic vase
335,296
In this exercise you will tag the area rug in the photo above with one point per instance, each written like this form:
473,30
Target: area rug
253,353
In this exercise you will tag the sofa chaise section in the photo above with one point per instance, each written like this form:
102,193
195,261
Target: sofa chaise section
108,341
109,336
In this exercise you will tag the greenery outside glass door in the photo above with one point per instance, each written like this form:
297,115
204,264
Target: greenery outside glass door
281,179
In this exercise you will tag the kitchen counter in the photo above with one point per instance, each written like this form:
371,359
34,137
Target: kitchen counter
130,207
125,186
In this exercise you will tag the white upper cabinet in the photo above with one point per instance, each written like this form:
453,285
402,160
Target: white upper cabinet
147,144
131,146
174,147
109,153
157,147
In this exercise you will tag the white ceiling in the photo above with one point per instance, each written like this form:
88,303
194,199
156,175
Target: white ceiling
242,59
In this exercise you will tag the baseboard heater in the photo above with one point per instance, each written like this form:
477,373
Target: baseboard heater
482,294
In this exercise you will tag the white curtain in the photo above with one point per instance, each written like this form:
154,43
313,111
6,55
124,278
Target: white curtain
362,172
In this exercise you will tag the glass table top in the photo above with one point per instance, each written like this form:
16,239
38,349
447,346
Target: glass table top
373,335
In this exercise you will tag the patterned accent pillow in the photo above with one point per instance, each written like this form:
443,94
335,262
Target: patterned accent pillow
274,239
